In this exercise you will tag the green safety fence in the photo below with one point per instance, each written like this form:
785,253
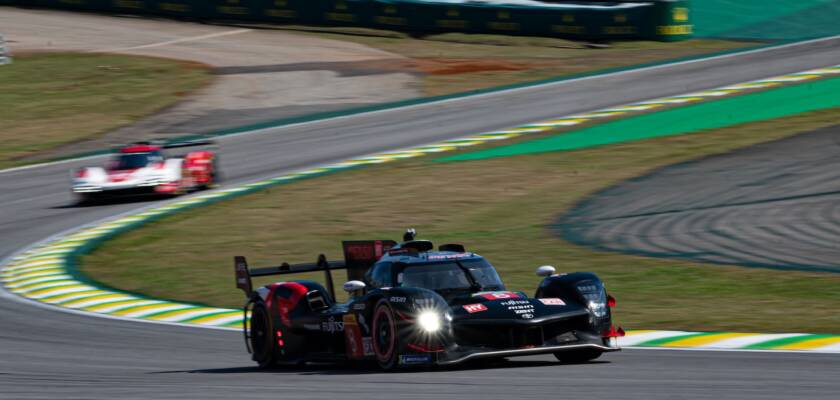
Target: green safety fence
663,20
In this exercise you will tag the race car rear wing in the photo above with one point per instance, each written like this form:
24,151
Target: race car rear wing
244,275
359,256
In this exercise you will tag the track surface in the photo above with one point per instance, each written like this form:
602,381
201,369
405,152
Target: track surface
48,354
772,205
95,358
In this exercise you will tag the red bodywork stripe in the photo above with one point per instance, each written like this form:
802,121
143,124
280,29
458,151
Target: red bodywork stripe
285,305
501,296
139,149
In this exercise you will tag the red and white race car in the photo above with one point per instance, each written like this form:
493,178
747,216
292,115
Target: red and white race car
144,168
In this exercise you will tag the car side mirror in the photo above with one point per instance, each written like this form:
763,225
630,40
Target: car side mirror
546,271
353,286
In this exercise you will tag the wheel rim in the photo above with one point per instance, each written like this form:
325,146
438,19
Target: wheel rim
383,328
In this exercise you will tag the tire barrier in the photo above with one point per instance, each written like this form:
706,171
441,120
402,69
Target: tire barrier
662,20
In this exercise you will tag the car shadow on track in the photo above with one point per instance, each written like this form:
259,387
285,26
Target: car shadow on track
110,201
365,369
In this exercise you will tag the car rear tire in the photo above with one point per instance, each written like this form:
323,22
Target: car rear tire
386,341
261,336
84,199
578,356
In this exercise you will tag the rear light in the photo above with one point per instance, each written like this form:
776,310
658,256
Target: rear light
610,301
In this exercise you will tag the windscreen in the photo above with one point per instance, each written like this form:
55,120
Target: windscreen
134,160
476,275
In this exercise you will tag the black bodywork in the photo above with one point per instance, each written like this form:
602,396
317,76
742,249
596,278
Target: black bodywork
422,307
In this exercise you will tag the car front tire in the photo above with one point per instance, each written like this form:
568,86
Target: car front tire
386,341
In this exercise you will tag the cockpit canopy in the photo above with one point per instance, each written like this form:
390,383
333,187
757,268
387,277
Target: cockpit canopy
469,274
124,161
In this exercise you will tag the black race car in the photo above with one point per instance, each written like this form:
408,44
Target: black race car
412,306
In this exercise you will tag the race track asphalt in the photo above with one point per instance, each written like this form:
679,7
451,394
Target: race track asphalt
49,354
772,205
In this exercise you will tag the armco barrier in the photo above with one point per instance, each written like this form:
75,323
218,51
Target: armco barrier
663,20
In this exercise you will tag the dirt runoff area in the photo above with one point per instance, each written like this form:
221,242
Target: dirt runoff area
260,74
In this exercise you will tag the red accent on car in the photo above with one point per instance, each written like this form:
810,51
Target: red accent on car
501,296
120,175
430,348
403,315
139,149
474,308
81,173
285,304
610,301
167,187
199,165
613,332
552,301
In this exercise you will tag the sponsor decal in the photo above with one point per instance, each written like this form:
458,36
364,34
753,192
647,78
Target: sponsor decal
522,308
408,359
353,340
397,299
367,346
680,14
474,308
359,306
500,295
349,319
332,326
552,302
449,256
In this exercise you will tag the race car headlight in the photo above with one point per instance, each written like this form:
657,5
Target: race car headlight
595,296
429,321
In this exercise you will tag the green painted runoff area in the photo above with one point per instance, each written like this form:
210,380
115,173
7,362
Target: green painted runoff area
759,106
765,20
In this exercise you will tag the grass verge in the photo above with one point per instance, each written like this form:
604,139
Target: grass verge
500,208
53,99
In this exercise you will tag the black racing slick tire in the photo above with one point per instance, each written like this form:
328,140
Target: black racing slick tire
261,335
578,356
386,340
86,199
